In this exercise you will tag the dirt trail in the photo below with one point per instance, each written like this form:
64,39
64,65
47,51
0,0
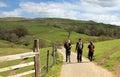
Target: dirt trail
84,69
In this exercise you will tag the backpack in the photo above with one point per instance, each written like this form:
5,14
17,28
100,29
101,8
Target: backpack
92,48
80,45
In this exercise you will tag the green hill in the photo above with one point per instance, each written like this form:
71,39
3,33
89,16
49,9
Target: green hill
56,29
80,26
43,29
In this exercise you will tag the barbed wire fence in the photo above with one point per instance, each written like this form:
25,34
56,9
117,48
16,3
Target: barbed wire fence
49,59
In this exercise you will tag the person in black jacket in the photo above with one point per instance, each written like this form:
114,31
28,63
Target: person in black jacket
91,51
79,48
67,46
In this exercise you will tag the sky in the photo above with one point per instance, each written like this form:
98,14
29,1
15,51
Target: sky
103,11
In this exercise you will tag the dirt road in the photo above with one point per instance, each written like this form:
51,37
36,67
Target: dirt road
84,69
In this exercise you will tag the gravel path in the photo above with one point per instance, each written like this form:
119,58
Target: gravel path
83,69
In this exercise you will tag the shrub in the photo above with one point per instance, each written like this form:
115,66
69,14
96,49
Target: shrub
14,35
4,33
13,38
26,40
21,31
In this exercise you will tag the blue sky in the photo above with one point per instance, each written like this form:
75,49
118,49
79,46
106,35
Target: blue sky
105,11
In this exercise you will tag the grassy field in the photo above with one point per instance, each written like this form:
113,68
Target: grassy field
106,53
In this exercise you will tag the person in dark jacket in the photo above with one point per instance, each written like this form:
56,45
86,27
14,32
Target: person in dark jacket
67,46
91,51
79,48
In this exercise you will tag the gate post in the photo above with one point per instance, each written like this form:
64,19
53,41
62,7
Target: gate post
37,59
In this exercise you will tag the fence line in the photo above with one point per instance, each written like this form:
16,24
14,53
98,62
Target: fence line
50,61
23,56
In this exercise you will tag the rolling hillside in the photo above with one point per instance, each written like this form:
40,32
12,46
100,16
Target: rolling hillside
56,29
85,27
43,29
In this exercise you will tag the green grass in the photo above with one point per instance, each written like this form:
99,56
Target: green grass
10,51
54,34
46,31
107,50
5,44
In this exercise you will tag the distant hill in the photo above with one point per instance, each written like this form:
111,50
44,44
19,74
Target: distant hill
37,28
57,29
85,27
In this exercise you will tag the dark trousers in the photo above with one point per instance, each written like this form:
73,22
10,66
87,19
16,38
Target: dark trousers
90,55
79,55
67,55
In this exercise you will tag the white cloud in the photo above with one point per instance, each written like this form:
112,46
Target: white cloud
100,6
15,13
3,4
102,3
96,10
109,19
62,10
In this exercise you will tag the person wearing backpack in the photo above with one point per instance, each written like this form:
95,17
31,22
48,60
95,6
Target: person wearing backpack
79,48
67,46
91,51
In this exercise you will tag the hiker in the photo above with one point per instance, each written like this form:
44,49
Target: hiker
67,46
91,51
79,48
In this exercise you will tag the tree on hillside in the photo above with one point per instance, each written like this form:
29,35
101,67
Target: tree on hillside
69,30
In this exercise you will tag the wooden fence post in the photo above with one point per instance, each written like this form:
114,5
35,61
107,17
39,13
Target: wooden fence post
47,61
37,59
